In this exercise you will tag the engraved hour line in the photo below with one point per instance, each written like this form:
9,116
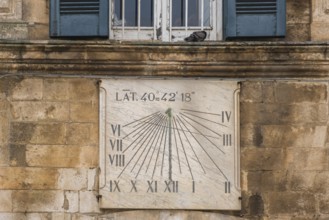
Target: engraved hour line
208,113
142,124
151,115
132,157
184,149
149,121
203,135
150,125
156,143
169,113
155,136
155,164
149,138
205,119
146,122
178,122
180,168
147,129
201,125
212,160
164,150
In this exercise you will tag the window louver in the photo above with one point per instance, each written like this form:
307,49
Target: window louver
79,18
79,7
256,6
254,18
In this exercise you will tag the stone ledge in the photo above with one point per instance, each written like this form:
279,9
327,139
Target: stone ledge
212,59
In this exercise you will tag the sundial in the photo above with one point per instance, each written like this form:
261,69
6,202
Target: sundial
169,144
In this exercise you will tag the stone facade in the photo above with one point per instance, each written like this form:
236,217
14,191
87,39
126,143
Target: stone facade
49,115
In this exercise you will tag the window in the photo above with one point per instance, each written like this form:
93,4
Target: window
166,20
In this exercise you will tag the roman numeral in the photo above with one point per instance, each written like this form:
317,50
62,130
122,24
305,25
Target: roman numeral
116,129
114,186
227,140
226,116
117,159
116,143
133,186
153,187
171,186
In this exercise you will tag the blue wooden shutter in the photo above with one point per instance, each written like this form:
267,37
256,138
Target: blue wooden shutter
79,18
254,18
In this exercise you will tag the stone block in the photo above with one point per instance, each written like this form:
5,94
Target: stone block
267,181
321,182
8,84
84,112
21,132
71,201
303,180
86,217
13,216
261,159
259,92
4,155
38,201
293,136
28,178
56,89
51,133
283,113
92,179
319,31
251,92
14,30
6,204
28,89
301,92
38,31
291,202
82,134
324,205
250,135
60,216
83,90
268,91
72,179
11,10
4,127
298,32
88,202
40,111
61,156
312,159
35,11
17,155
298,12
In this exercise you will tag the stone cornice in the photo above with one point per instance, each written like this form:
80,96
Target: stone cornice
215,59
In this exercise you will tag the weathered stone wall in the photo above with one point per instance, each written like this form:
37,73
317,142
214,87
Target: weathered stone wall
49,123
284,149
49,151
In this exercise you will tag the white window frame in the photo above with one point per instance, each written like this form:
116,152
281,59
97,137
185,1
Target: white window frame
162,21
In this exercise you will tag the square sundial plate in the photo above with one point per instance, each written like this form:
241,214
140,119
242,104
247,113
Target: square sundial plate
169,144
